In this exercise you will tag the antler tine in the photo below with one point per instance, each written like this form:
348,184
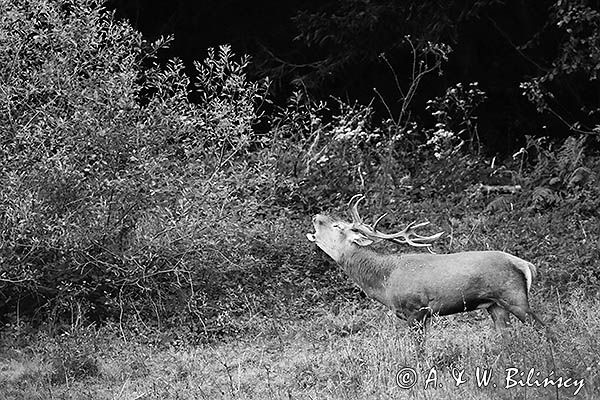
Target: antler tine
378,219
417,236
403,233
412,224
409,228
410,242
353,207
426,239
420,241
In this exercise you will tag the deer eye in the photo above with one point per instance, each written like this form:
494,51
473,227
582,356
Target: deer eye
337,226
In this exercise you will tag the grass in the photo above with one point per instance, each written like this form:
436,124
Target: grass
356,353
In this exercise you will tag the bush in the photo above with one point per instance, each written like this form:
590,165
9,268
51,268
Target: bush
110,176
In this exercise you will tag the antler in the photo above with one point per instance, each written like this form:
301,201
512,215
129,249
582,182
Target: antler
353,208
405,236
408,235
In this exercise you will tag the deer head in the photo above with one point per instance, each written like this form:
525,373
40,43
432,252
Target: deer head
337,237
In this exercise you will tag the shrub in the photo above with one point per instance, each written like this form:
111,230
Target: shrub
110,176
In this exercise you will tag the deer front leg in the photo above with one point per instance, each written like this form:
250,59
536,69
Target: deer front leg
417,323
499,315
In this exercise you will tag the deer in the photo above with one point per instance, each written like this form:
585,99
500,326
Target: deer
416,286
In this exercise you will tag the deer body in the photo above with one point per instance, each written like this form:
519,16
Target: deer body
415,286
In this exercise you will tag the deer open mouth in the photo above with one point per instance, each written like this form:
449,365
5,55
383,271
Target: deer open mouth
311,237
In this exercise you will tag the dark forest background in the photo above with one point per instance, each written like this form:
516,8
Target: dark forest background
346,49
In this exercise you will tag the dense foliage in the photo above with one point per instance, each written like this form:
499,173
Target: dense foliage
539,50
122,200
107,168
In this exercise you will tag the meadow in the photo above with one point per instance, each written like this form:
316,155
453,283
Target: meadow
357,351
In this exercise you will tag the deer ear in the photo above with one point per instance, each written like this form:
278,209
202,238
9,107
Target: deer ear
360,239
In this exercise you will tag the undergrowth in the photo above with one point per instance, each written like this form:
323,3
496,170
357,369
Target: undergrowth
354,351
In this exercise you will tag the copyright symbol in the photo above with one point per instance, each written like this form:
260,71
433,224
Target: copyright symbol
406,378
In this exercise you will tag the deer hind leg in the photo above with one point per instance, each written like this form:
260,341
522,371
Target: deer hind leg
524,313
499,315
519,307
420,319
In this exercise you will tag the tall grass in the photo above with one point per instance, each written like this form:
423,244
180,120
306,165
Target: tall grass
356,353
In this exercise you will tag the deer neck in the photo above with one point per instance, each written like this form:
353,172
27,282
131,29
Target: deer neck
368,269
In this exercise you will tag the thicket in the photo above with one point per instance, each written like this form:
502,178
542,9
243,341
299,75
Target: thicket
122,200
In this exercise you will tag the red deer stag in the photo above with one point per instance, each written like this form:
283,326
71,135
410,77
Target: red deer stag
415,286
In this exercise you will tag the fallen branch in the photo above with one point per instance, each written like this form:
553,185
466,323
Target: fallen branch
489,189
